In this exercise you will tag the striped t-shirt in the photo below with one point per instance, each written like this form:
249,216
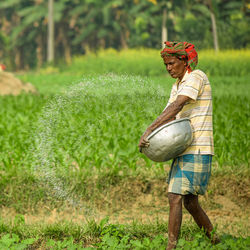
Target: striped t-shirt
199,110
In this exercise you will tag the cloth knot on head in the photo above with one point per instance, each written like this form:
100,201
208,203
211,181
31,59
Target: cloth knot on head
182,50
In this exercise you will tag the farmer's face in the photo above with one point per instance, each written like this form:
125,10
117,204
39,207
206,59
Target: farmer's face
175,67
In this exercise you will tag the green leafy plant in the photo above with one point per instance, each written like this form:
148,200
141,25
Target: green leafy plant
12,241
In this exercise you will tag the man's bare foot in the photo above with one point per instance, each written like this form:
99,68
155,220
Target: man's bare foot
171,245
215,239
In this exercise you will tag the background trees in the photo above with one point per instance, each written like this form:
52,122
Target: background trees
82,25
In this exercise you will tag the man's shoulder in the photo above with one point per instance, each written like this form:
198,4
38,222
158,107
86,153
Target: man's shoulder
196,76
199,73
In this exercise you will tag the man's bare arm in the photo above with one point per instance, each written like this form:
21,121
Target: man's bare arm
167,115
170,112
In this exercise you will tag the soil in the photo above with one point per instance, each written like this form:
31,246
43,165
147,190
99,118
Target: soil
10,85
146,202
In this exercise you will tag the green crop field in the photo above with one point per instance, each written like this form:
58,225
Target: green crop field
72,148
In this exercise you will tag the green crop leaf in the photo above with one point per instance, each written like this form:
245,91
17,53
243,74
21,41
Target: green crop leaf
29,241
51,243
104,222
19,220
136,243
8,240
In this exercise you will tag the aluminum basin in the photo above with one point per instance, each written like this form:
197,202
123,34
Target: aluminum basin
169,140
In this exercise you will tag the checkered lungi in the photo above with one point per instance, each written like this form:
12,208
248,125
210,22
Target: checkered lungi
190,174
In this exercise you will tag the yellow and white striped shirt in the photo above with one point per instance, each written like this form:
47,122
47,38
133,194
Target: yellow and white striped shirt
199,110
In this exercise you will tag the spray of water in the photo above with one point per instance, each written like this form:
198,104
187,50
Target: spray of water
51,153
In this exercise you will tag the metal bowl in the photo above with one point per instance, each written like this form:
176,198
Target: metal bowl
169,140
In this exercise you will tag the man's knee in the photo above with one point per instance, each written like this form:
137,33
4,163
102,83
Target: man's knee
174,199
191,202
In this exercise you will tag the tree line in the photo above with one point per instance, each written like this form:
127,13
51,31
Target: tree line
33,30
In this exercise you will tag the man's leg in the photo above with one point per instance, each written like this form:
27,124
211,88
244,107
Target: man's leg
192,205
175,218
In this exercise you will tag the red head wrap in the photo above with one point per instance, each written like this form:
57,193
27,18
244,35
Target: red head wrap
182,50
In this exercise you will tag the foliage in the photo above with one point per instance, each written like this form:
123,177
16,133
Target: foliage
13,242
147,62
93,126
109,115
113,236
75,128
65,244
83,25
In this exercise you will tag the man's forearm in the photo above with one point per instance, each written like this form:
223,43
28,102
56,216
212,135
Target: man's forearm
168,114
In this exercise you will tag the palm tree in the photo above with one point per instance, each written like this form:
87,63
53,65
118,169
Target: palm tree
211,5
50,54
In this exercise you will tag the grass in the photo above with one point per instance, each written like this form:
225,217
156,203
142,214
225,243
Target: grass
89,146
80,134
227,103
149,63
105,235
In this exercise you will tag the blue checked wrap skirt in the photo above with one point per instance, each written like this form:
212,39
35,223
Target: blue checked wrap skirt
189,174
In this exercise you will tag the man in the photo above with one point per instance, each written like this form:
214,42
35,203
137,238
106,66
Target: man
189,174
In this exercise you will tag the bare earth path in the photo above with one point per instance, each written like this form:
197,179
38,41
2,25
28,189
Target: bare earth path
147,203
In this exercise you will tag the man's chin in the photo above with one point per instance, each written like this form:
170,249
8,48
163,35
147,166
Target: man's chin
173,75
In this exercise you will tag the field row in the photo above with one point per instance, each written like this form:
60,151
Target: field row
98,122
93,128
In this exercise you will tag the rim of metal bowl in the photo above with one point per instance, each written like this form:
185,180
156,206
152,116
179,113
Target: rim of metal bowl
166,125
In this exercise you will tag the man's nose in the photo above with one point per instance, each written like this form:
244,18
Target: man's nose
169,67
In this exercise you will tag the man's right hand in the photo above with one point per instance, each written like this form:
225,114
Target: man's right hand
144,143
